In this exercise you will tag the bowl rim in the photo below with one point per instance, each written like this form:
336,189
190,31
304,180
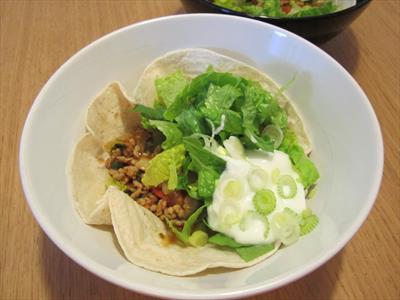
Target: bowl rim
99,270
224,10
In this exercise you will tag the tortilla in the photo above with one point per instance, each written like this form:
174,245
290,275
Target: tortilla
193,62
138,231
110,117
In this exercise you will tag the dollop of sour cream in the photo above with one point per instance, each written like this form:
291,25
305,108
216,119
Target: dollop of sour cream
233,212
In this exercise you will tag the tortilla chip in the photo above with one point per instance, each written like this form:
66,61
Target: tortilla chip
139,233
193,62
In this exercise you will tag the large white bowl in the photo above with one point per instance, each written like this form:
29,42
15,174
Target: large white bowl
347,142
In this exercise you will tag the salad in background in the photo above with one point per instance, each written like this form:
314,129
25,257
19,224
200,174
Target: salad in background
285,8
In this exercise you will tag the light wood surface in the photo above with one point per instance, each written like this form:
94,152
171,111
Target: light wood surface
36,37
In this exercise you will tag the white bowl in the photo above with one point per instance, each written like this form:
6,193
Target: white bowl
347,141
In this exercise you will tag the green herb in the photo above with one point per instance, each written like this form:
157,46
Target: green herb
264,201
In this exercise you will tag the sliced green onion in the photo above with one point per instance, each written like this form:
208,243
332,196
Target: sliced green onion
222,151
287,187
198,238
244,223
231,218
234,147
274,133
291,212
312,191
264,201
230,215
232,189
308,222
275,175
257,178
285,227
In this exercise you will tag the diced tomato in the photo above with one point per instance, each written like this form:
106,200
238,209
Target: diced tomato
286,8
158,192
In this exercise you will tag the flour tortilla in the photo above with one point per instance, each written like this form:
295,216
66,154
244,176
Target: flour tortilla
193,62
109,117
138,231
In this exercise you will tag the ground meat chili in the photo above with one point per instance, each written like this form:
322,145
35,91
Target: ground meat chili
126,165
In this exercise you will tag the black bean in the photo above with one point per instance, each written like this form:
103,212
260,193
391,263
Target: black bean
118,146
115,165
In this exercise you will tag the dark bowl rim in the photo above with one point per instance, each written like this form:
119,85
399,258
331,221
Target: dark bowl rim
359,3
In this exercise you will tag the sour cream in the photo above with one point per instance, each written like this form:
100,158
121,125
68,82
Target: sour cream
232,211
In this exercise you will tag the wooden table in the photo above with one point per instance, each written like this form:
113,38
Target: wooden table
36,37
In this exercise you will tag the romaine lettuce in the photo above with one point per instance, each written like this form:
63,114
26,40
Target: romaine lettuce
159,169
173,136
246,252
302,164
169,87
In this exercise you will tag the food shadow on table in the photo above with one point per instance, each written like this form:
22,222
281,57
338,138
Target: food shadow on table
64,277
344,49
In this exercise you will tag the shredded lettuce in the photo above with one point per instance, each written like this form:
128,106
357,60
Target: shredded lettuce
201,158
173,136
207,166
191,121
196,116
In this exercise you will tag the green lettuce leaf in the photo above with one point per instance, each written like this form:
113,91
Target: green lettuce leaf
199,86
119,185
223,240
302,164
233,122
272,8
184,235
246,252
191,121
180,104
153,113
201,158
206,182
263,142
159,169
251,252
173,136
169,87
221,97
